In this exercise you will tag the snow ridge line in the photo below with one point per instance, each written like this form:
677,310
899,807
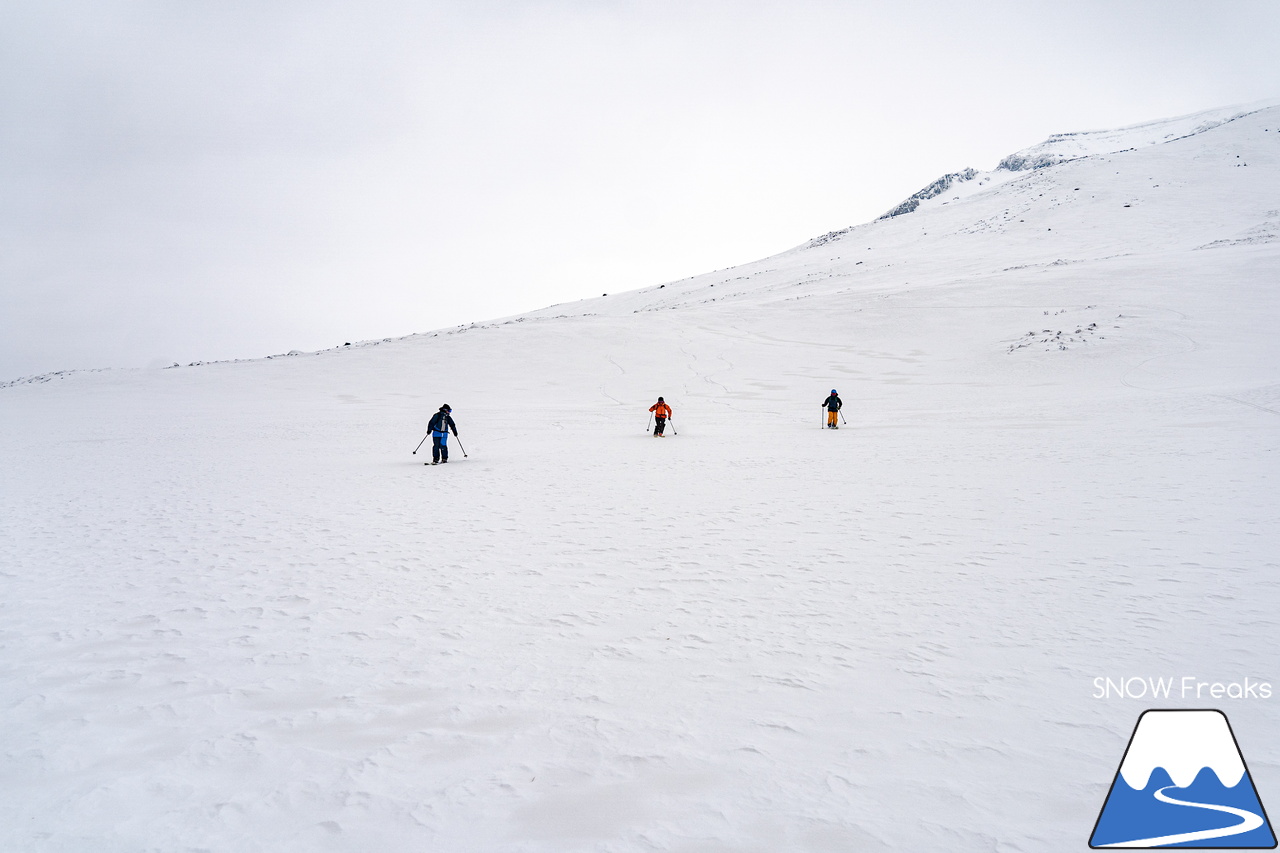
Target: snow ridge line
41,378
371,342
1019,161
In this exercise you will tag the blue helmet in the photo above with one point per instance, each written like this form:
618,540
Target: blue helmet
833,390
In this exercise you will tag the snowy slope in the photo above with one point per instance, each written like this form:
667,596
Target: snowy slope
237,614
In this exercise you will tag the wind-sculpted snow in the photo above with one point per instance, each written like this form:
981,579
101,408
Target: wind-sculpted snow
237,613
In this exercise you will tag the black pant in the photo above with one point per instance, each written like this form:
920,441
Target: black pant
439,450
658,424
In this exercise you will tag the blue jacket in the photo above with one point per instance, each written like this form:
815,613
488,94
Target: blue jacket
441,423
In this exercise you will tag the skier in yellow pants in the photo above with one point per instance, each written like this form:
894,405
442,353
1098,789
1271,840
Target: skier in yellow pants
832,405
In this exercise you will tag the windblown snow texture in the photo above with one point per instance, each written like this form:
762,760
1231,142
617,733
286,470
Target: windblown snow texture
237,614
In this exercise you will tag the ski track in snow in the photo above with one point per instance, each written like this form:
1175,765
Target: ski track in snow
237,614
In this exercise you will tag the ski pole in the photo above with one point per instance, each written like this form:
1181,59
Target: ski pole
842,420
650,423
419,447
460,447
673,425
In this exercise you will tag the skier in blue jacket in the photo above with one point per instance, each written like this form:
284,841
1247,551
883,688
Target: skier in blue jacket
833,404
439,426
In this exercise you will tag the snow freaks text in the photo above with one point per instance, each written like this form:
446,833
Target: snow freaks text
1186,687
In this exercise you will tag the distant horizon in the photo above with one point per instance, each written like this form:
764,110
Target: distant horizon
205,184
1243,108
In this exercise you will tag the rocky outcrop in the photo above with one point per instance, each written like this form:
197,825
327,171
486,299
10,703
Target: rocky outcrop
936,188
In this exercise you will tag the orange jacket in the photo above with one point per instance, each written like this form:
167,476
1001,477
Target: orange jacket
662,410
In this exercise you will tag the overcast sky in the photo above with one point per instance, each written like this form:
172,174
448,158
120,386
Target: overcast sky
187,181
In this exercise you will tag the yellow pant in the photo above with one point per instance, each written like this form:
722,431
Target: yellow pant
832,418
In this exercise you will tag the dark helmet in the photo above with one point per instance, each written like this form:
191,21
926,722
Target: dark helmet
446,408
659,399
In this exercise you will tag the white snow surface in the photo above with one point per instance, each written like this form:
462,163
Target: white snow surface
237,614
1183,743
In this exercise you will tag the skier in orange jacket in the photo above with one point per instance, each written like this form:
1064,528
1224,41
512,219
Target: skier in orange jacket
661,411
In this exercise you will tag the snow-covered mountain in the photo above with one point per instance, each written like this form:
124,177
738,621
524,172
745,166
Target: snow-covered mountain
1064,147
237,613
